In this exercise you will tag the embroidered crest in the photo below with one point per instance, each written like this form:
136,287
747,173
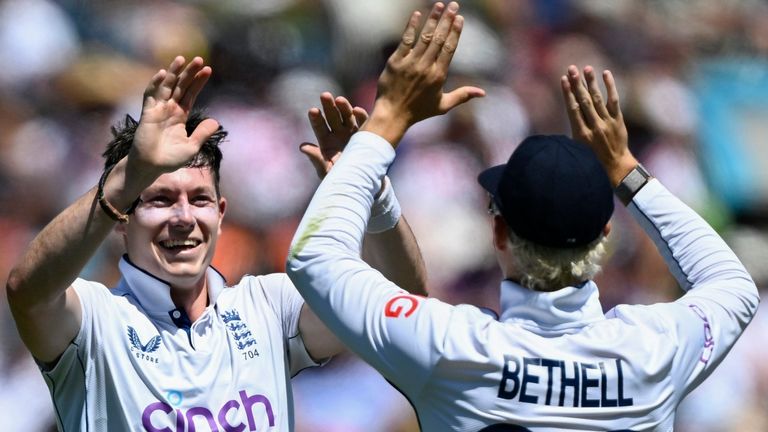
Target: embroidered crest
238,330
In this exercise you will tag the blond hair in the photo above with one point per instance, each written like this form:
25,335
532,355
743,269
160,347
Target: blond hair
542,268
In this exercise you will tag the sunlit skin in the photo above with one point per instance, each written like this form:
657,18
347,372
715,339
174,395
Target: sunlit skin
174,230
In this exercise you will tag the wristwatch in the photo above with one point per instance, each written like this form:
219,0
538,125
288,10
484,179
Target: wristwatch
632,183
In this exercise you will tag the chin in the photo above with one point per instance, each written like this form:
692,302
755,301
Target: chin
182,274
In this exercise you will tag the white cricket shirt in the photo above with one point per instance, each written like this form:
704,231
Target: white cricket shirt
138,364
553,361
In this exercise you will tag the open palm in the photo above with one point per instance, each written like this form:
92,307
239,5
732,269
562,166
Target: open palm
333,127
161,142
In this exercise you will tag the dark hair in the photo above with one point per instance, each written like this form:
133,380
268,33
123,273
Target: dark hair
208,156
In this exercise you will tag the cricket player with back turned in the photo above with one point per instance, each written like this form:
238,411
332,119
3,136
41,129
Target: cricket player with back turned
553,361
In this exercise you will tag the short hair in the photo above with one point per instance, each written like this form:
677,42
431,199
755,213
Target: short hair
209,155
544,268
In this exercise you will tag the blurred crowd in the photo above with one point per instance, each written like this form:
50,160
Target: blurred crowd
694,84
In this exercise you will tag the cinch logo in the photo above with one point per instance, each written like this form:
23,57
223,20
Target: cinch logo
238,330
185,419
142,350
709,340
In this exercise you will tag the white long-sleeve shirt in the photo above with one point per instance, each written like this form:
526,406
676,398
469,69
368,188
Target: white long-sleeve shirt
553,361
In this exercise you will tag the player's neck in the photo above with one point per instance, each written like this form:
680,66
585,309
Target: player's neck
193,300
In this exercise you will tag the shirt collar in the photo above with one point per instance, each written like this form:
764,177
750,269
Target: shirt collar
560,311
154,294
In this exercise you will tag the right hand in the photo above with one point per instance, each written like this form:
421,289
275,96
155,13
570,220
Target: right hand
161,143
333,127
598,124
410,88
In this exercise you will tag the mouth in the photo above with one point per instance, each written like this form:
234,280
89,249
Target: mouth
179,245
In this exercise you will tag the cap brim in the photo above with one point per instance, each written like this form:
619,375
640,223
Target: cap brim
490,178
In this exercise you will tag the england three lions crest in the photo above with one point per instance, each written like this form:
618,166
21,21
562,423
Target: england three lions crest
239,331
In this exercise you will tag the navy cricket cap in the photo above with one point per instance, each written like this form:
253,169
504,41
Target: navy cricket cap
552,192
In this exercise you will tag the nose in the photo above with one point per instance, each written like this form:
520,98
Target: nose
182,215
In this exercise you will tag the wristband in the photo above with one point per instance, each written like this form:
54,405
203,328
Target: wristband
105,205
632,183
385,211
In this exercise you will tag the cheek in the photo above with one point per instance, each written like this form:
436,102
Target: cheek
208,216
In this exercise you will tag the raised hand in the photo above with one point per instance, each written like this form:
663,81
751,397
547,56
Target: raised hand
161,143
410,88
333,126
598,124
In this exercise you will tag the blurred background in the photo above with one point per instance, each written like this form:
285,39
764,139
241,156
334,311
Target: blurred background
693,78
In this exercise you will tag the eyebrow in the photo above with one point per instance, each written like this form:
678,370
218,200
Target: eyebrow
169,191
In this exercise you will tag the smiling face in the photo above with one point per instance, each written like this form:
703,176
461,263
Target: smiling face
174,230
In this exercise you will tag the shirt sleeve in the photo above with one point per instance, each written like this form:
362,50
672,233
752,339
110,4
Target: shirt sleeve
399,334
720,298
66,378
286,304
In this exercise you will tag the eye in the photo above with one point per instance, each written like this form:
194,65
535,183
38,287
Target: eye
202,200
158,201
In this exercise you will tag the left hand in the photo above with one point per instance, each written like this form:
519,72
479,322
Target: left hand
333,127
597,122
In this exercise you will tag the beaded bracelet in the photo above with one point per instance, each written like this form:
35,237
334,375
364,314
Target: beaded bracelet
108,208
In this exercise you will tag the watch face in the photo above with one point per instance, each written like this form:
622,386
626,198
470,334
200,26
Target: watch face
634,180
632,183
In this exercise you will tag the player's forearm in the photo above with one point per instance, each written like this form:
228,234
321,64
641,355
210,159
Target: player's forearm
58,254
395,253
60,251
325,252
699,259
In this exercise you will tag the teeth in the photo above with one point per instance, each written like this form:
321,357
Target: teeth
179,243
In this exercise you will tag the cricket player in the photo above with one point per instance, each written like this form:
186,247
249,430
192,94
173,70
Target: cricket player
553,361
172,347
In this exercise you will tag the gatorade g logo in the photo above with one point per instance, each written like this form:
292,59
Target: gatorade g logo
401,305
158,416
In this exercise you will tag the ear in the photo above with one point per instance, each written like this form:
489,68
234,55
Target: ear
222,210
607,229
500,233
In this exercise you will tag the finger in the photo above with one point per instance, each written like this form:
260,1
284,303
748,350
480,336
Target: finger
445,55
575,117
458,97
428,31
442,32
332,115
195,87
154,83
203,131
315,156
361,115
186,77
317,122
346,113
409,36
165,89
614,108
595,93
582,96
